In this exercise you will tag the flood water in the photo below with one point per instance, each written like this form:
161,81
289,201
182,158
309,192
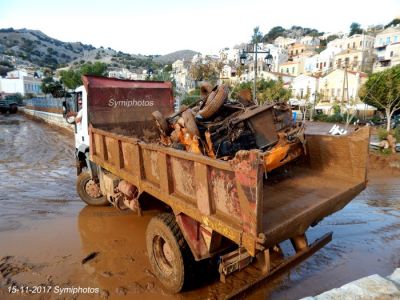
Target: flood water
46,231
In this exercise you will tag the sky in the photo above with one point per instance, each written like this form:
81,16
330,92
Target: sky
161,27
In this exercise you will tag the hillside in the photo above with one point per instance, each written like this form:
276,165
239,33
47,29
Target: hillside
33,47
171,57
39,49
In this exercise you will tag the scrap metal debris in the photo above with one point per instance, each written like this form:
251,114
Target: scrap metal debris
218,127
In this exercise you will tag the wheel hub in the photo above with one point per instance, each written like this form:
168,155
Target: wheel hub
92,189
164,255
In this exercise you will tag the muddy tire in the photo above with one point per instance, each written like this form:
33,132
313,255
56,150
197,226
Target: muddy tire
161,122
168,252
89,191
214,102
190,122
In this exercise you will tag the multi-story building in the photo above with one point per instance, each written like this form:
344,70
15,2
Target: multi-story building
333,85
355,60
360,42
283,42
387,48
305,87
294,68
19,81
310,41
322,62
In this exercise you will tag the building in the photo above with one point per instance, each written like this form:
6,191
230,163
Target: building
294,68
305,87
19,81
283,42
332,86
355,60
387,49
360,42
321,63
310,41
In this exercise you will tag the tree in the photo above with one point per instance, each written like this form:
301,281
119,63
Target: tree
50,86
72,78
393,22
274,33
257,36
267,90
382,90
205,70
355,28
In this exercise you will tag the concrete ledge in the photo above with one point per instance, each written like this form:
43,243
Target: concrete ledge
371,287
51,118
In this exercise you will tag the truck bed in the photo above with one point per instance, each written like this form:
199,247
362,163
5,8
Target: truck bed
294,202
232,197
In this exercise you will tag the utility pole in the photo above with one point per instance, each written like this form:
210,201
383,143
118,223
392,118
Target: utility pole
255,72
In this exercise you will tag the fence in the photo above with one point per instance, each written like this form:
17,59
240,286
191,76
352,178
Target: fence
51,105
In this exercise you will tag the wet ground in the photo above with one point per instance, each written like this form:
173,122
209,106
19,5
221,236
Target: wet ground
46,231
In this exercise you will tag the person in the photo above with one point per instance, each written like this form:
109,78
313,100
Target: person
79,114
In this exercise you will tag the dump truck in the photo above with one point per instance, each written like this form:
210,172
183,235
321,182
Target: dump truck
229,211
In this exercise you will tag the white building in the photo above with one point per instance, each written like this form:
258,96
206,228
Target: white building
387,48
19,81
283,42
310,41
304,85
322,62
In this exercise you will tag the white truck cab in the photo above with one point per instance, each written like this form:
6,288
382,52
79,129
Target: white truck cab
81,128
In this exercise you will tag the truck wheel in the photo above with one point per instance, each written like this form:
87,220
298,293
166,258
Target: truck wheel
89,190
168,252
214,101
13,109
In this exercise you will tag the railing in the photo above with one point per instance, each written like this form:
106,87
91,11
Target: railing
53,105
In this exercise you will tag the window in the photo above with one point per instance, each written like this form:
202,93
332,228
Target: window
360,43
391,53
293,70
381,41
324,64
287,70
388,40
348,46
354,45
346,61
395,39
330,65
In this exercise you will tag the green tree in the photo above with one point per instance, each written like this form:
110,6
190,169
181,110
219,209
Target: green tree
72,78
257,36
382,90
267,90
50,86
205,70
274,33
355,28
393,22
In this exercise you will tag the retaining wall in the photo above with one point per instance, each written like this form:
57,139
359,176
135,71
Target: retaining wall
49,117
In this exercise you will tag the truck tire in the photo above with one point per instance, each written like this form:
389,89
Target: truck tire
13,109
168,252
214,101
89,191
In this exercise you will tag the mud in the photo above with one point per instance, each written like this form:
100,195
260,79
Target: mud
46,231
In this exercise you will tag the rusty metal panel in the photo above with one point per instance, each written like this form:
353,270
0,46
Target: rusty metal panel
125,106
151,166
184,182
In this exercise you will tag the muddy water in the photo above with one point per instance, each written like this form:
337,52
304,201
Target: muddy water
46,232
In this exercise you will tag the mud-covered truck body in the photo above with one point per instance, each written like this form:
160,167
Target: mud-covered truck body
8,105
231,209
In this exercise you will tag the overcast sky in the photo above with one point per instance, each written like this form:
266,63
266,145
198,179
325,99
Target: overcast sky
161,27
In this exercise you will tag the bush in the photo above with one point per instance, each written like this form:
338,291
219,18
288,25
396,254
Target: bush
396,133
382,133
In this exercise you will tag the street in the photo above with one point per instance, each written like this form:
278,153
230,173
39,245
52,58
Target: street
46,230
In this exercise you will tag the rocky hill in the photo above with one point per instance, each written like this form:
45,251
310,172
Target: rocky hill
33,47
